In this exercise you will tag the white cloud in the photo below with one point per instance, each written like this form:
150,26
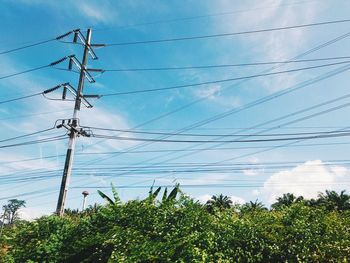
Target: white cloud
269,46
91,11
307,180
94,11
250,172
30,213
203,198
9,164
209,92
213,94
237,199
255,192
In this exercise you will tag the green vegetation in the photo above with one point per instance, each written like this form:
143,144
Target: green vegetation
10,213
174,228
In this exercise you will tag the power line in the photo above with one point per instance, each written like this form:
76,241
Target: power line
50,139
241,128
171,150
44,192
208,135
21,98
23,72
252,104
223,65
212,185
26,135
191,164
36,43
137,173
265,99
212,166
224,80
257,102
227,34
34,159
27,46
35,69
30,70
336,134
30,115
263,167
202,16
288,123
205,149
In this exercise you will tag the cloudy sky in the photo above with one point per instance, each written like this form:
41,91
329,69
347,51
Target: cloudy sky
309,101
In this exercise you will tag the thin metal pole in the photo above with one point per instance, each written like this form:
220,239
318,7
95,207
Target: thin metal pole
84,202
73,132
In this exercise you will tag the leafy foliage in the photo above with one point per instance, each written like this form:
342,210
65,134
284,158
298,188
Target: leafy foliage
220,202
179,229
286,200
11,210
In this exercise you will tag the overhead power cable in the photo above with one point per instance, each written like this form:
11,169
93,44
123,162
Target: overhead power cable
226,13
21,98
172,150
210,135
224,80
236,110
23,72
335,108
27,46
26,135
35,69
30,70
331,135
35,43
309,51
273,147
210,185
50,139
33,114
224,65
227,128
204,149
227,34
34,159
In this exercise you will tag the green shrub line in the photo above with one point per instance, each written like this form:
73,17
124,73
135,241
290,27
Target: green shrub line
175,228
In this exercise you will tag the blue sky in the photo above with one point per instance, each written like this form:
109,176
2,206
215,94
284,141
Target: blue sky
29,21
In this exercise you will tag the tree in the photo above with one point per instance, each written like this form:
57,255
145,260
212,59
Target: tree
11,210
253,206
116,200
71,212
334,201
221,202
286,200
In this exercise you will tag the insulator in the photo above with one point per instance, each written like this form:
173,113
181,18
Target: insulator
75,39
52,89
64,35
58,61
64,93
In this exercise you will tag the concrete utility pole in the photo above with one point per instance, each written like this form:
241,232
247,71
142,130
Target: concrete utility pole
73,130
85,194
